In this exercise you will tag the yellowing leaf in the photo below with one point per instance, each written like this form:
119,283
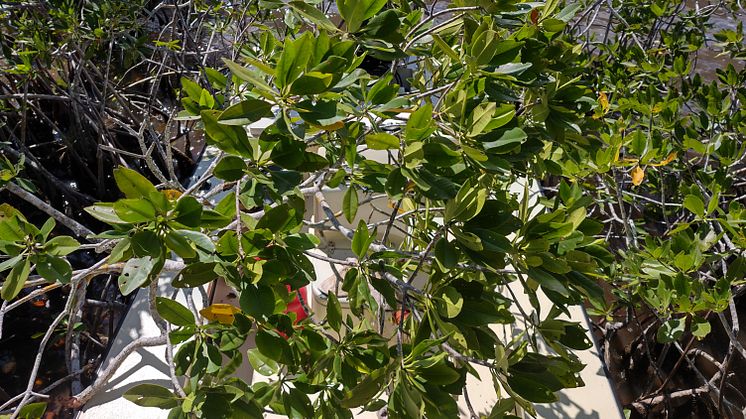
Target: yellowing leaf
223,313
603,100
171,194
638,174
671,157
333,127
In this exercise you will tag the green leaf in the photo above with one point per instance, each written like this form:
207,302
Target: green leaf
146,243
188,211
453,302
261,363
9,263
11,230
480,118
334,312
133,184
120,250
446,254
245,112
384,26
151,395
229,138
492,241
54,268
15,280
469,240
694,204
439,374
531,390
32,411
270,344
61,246
507,142
173,312
467,204
381,141
250,76
311,83
293,59
302,241
257,301
503,114
361,240
47,228
355,12
350,203
179,244
314,15
135,210
278,219
419,124
512,68
700,327
568,12
671,330
548,281
104,212
321,112
195,274
364,391
553,25
135,273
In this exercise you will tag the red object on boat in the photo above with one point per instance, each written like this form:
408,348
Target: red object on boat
296,307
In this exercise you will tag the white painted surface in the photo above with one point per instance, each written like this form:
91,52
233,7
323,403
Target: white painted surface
146,365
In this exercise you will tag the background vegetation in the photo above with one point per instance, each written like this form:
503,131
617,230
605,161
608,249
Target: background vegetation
626,115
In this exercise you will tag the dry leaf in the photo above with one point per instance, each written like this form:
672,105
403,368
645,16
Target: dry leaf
223,313
638,174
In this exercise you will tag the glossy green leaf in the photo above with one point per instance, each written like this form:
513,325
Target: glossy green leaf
245,112
350,203
135,273
257,301
313,14
134,210
467,204
293,59
355,12
132,184
694,204
151,395
179,244
334,312
381,141
310,83
261,363
32,410
671,330
173,312
61,246
54,268
104,212
188,212
361,240
15,280
195,274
